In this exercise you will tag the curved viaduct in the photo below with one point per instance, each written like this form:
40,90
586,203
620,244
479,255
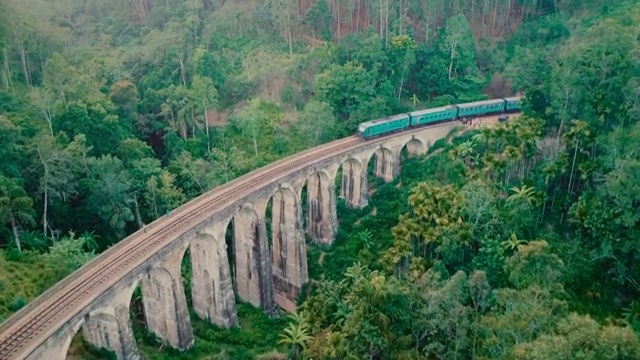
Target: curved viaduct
96,298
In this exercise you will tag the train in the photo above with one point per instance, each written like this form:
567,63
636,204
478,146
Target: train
419,118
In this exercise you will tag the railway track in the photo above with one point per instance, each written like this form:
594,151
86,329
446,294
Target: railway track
20,332
27,329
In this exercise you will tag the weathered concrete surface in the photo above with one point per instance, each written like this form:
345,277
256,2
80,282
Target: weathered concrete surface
354,184
289,251
387,163
322,223
254,280
211,286
110,327
165,304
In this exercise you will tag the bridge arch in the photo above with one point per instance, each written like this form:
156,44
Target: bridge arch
386,163
165,305
414,147
321,201
354,185
212,292
57,346
289,251
252,260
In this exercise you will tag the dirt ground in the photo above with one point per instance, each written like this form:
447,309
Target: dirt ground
489,120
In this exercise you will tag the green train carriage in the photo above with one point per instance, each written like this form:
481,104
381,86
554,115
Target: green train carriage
431,116
481,108
401,122
384,126
512,104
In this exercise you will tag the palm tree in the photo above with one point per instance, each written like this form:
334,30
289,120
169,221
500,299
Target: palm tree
513,243
483,137
337,347
525,192
465,150
579,130
15,206
415,100
296,335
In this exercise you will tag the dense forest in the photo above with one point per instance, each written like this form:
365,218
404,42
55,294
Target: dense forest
511,242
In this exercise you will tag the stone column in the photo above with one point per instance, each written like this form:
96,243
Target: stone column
112,332
323,222
165,305
354,184
211,286
387,164
289,255
254,280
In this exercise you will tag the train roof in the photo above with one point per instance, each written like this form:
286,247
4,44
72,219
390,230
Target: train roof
388,118
513,98
479,103
432,110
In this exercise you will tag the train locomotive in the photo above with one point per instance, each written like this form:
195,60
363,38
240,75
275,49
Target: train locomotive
395,123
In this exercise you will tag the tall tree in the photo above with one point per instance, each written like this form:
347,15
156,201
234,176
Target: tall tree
16,207
206,96
458,43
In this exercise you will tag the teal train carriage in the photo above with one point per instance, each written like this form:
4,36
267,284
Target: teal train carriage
430,116
512,104
384,126
481,108
392,124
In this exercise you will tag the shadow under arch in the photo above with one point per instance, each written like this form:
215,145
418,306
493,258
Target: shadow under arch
354,184
385,163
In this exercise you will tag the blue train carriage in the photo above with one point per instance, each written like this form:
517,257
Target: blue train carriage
432,116
481,108
512,104
379,127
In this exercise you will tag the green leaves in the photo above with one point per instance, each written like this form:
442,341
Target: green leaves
435,226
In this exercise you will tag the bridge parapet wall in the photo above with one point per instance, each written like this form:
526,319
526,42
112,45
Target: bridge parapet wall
280,270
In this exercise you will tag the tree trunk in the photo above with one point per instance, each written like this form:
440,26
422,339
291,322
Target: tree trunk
25,67
453,52
255,144
206,128
138,217
575,154
14,228
46,206
6,73
155,203
290,33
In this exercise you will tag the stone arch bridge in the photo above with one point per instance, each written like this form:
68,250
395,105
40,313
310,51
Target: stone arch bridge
261,271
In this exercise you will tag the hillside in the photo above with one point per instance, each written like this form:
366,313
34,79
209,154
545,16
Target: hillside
104,107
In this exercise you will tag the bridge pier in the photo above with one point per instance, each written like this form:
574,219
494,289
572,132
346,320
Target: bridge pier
211,287
354,184
253,264
322,222
387,164
289,253
56,346
112,332
165,304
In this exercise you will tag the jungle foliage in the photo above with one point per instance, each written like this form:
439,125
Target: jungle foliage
518,241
